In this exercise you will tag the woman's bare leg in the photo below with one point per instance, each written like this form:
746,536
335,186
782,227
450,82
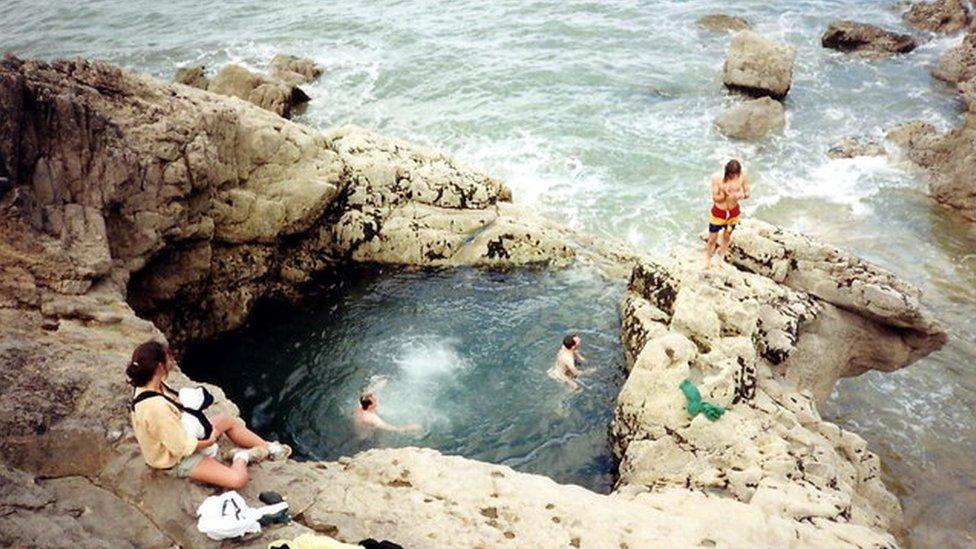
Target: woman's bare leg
236,431
214,472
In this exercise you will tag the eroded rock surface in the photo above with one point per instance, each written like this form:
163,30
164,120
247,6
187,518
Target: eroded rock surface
272,94
865,40
767,340
851,147
195,76
758,66
720,22
753,119
295,70
938,16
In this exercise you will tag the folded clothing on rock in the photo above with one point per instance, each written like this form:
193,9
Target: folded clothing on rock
228,516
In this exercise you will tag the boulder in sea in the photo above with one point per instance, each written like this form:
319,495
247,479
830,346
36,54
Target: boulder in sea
758,66
852,146
958,63
865,40
753,119
720,22
195,76
938,16
268,93
294,70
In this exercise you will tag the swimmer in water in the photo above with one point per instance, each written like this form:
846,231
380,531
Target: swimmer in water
365,418
564,369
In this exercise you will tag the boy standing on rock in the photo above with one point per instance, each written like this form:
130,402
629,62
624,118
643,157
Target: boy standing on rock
727,190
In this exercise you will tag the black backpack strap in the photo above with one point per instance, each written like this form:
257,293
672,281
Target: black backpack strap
150,394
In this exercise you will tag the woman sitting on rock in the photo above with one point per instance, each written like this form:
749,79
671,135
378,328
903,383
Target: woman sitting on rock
164,442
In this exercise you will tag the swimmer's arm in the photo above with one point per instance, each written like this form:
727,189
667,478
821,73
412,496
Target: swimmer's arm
379,423
745,185
579,356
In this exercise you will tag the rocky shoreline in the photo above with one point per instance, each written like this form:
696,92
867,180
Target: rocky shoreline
132,208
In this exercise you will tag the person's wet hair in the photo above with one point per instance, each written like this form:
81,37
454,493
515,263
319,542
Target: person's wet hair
365,401
145,359
569,341
732,169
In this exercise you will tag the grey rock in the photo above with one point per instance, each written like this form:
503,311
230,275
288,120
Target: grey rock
758,66
753,119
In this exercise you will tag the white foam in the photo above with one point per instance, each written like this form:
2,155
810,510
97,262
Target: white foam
430,356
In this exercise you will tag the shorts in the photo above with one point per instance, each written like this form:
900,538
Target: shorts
185,466
723,219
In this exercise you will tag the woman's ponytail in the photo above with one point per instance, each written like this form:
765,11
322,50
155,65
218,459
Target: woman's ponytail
145,359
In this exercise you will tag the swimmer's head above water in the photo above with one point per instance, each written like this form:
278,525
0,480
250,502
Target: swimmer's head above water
367,401
572,342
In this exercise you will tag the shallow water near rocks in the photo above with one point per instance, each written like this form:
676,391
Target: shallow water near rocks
599,114
465,353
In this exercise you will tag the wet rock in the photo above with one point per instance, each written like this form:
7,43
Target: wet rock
865,40
758,66
195,76
271,94
294,70
753,119
851,147
949,159
958,64
938,16
755,340
720,22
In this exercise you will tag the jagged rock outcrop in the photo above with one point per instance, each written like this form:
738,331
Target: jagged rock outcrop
958,66
753,119
949,159
294,70
851,147
211,204
758,66
720,22
938,16
195,76
272,94
767,340
865,40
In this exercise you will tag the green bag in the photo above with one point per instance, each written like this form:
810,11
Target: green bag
696,405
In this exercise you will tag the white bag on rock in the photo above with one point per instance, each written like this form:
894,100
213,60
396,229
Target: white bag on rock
228,516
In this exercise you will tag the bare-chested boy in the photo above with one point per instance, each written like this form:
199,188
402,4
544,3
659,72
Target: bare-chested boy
727,190
564,368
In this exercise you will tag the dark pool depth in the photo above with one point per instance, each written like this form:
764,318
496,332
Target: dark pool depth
466,352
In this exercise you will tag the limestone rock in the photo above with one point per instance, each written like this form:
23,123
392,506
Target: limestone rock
755,341
720,22
938,16
294,70
753,119
195,76
851,147
865,40
270,94
958,63
950,160
758,66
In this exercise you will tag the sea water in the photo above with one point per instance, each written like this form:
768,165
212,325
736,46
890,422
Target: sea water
463,352
599,114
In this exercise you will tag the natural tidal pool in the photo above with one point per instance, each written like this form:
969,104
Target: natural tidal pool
466,353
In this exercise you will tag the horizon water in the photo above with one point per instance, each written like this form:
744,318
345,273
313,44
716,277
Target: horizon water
599,115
